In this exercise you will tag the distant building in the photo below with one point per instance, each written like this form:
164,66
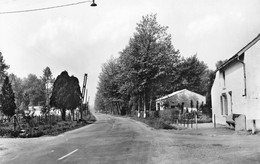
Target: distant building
180,98
236,89
36,110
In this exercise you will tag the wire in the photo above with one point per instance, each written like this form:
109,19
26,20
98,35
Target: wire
44,8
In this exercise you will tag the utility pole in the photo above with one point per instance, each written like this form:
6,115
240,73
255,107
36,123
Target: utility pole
83,95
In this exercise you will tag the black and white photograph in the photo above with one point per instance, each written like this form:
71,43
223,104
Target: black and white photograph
129,82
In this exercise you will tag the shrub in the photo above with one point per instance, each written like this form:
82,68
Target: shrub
161,124
168,115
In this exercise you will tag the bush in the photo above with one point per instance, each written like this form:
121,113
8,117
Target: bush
161,124
40,130
7,132
168,115
157,123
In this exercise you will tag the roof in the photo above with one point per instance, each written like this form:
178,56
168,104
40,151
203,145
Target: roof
175,93
239,53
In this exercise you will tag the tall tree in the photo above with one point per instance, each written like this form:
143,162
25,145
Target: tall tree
25,102
47,80
192,71
17,86
147,59
7,98
3,68
35,88
66,93
75,94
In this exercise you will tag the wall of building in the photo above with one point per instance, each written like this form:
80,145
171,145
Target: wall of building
252,60
232,86
183,97
239,103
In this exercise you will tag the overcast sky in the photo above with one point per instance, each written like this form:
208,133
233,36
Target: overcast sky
80,38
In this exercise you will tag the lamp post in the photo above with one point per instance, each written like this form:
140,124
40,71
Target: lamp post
93,4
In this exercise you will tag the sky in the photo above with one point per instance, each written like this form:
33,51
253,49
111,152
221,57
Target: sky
80,38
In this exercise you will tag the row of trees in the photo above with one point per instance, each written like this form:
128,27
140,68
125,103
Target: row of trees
147,68
17,94
32,90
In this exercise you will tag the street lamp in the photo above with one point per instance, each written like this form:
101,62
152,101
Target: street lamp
93,4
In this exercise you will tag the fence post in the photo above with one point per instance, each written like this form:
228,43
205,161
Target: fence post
253,127
196,121
214,121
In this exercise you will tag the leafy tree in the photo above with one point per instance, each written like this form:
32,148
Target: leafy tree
75,93
47,80
99,102
220,62
108,85
7,99
17,86
148,68
147,60
66,93
36,89
3,68
26,100
192,71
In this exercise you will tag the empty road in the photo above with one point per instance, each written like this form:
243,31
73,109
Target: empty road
113,140
109,140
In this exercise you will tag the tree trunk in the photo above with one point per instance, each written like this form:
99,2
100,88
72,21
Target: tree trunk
73,115
63,114
81,112
144,106
139,106
151,100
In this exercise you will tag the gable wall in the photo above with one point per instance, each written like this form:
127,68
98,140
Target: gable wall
252,61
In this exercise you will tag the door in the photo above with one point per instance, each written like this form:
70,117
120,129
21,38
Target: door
224,104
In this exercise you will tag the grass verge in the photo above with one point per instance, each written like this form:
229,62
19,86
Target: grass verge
52,128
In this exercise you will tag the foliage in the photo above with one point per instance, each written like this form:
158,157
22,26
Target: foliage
142,68
51,127
3,68
7,99
157,123
48,81
35,88
169,115
149,67
192,73
17,88
220,62
66,93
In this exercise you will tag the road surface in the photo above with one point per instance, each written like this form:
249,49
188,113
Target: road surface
113,140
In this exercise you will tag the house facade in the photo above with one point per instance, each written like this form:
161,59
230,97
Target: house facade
178,98
236,89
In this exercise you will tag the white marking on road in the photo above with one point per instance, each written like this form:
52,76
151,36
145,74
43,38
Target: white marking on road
67,154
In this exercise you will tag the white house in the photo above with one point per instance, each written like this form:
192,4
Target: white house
236,89
36,110
181,97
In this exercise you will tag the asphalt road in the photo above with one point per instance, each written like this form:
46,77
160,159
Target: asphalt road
113,140
110,140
